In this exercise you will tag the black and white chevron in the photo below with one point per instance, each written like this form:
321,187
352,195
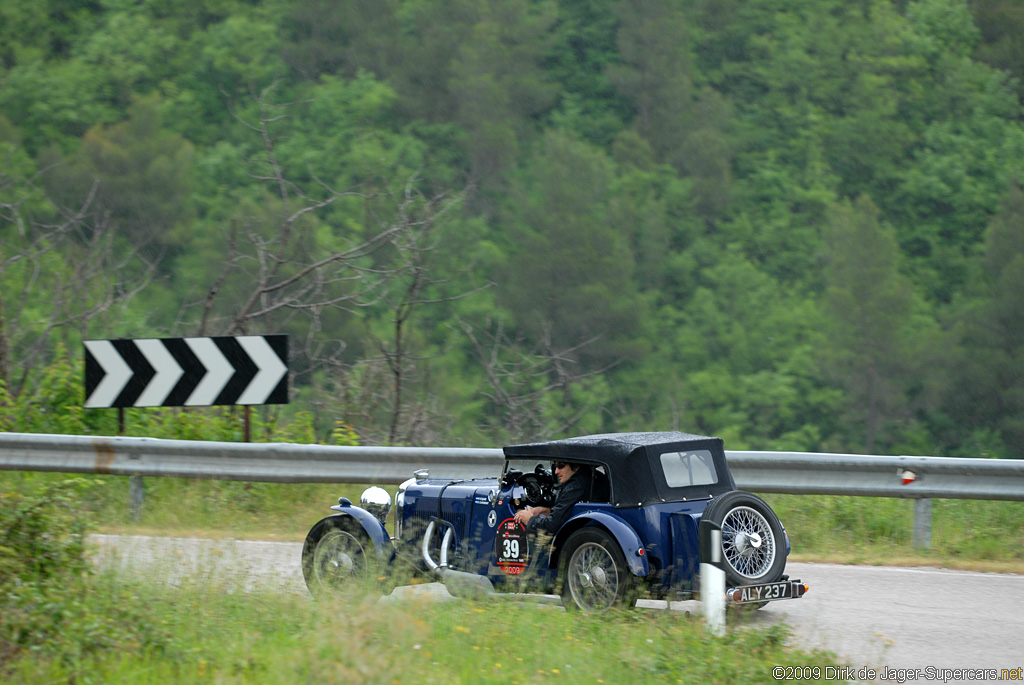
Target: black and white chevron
186,372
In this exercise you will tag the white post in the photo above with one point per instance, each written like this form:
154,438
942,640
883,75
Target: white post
712,586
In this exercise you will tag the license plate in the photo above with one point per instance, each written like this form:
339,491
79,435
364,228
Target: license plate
766,592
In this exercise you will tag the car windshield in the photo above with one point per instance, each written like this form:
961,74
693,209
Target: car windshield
526,465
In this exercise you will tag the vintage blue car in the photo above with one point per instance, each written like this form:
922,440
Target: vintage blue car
636,532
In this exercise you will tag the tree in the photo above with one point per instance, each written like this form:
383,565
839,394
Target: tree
581,53
533,392
303,255
570,272
412,256
1001,23
987,390
683,123
968,148
63,272
274,264
497,83
869,304
342,38
144,177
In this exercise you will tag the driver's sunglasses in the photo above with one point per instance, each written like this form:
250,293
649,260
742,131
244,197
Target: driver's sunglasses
559,465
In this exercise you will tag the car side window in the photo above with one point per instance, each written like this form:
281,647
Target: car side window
683,469
600,488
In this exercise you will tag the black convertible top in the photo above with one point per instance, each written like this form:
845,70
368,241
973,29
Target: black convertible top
612,446
631,460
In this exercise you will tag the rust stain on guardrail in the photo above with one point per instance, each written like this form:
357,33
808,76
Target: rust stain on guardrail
104,456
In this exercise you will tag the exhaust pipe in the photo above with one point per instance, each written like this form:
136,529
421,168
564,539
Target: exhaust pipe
458,583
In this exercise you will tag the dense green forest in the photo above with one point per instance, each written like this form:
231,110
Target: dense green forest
796,224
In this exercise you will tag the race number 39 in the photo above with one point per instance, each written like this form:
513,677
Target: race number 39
511,547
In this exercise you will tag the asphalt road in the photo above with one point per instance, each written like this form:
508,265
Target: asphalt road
909,618
898,622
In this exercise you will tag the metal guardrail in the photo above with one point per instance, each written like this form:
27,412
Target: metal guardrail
265,462
861,475
800,473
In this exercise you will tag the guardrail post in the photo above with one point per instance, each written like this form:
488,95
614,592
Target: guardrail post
923,523
712,577
136,493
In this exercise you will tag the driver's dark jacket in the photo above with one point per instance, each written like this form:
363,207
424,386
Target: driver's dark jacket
571,492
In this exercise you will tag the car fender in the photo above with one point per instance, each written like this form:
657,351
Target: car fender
629,541
375,530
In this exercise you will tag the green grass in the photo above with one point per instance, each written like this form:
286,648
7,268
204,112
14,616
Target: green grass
62,621
60,624
967,534
213,634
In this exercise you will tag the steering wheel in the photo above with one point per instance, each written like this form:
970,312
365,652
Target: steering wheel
539,487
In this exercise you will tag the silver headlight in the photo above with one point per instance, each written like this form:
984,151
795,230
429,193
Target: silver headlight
377,501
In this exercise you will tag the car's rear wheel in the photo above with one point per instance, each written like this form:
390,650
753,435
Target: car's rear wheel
595,576
753,542
338,559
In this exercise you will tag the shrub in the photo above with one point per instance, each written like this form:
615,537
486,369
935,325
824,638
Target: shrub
52,605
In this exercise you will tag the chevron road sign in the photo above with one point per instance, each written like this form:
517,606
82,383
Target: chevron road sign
186,372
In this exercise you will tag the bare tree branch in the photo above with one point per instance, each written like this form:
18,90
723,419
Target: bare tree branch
513,373
69,271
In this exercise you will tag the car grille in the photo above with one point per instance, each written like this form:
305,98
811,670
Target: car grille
457,520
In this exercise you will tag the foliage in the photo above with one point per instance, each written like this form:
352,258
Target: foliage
791,226
53,607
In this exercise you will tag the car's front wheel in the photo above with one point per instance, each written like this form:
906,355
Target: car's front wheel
595,576
339,560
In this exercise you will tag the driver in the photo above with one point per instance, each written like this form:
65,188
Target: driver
574,480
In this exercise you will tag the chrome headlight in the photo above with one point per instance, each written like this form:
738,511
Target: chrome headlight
377,501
